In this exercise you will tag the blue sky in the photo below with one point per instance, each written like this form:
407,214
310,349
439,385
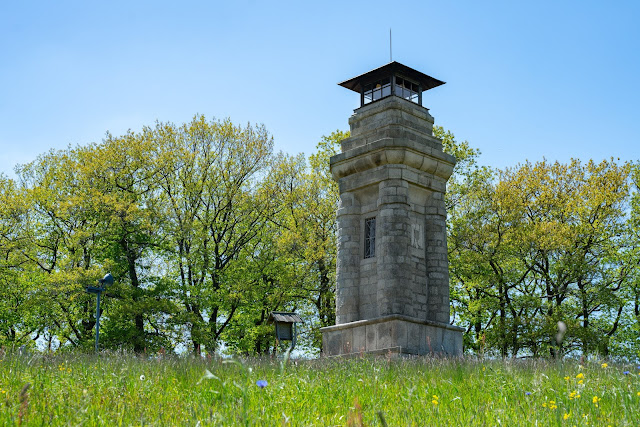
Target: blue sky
525,80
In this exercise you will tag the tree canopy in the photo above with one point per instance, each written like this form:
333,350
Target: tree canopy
207,230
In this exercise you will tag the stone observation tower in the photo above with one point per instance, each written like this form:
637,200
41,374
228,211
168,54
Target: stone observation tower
392,268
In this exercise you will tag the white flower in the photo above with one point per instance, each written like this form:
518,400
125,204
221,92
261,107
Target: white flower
142,377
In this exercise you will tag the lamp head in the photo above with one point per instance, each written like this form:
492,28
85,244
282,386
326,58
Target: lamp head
106,280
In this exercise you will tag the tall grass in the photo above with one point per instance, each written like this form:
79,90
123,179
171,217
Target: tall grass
117,389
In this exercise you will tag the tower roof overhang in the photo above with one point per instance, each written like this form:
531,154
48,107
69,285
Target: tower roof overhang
426,82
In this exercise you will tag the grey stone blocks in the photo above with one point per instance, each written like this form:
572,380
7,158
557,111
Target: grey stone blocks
392,169
392,334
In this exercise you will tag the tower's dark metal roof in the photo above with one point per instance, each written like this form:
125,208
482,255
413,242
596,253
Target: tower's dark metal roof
426,82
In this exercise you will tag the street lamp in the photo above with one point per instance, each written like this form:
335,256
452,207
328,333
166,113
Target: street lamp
106,280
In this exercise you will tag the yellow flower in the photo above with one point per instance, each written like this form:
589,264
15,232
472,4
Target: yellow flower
435,402
580,382
566,378
580,375
604,365
551,405
565,416
639,393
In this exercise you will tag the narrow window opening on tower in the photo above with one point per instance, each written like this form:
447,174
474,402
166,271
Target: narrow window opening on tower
369,237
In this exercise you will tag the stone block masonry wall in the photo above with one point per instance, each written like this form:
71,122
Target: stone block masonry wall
394,268
348,260
392,169
437,262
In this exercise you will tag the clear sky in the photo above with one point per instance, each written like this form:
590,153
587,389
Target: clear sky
525,80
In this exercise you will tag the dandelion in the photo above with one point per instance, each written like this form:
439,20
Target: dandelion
574,395
639,393
604,365
566,415
596,399
566,378
580,375
262,383
581,382
552,404
435,400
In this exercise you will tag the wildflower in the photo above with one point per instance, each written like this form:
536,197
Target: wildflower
604,365
639,393
580,375
552,404
262,383
435,400
574,395
581,382
566,378
142,377
626,372
528,393
596,399
566,415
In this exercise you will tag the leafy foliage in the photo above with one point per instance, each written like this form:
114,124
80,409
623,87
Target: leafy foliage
207,231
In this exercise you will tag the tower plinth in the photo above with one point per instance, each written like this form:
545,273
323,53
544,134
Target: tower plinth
392,269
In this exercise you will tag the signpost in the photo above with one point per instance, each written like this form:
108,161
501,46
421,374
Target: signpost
285,323
106,280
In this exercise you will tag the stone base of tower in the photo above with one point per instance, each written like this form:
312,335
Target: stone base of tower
393,334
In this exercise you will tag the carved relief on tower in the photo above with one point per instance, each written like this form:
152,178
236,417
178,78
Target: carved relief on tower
417,236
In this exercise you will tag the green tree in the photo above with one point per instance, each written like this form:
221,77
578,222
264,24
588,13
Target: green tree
539,244
218,192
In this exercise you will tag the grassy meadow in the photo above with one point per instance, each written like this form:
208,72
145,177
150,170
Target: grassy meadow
117,389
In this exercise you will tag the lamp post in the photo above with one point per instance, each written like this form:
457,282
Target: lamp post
106,280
